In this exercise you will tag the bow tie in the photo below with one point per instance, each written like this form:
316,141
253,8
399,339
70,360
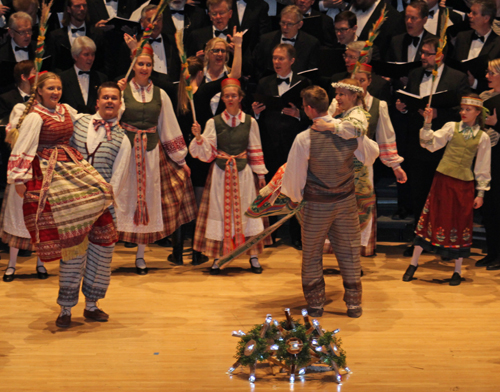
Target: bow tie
109,1
479,38
431,13
173,12
155,40
306,15
427,73
26,98
73,31
221,32
288,39
412,40
23,49
106,125
83,73
280,80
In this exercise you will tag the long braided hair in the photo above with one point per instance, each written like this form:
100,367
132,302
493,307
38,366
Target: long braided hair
13,134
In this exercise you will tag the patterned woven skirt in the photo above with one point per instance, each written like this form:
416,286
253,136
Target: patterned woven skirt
445,226
213,248
75,211
178,203
7,238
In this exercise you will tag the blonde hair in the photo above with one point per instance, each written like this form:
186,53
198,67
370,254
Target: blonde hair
360,100
13,135
494,65
195,65
211,44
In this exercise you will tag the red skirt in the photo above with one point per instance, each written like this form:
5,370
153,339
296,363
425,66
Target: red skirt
445,225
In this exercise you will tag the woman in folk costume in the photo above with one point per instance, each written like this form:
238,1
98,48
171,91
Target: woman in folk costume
13,231
205,90
232,140
445,225
65,199
157,196
379,129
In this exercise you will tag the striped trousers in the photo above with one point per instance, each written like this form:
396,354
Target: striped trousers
95,269
339,221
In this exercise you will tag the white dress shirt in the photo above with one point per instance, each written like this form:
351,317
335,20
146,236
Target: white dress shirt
83,81
363,16
241,6
426,85
73,36
412,50
112,8
160,59
20,55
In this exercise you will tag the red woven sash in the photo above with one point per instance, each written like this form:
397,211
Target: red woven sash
141,215
232,203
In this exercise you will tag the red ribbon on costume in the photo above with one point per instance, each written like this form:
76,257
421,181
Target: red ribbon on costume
141,215
232,203
106,125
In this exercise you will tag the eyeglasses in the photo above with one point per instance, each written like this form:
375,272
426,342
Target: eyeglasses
25,33
287,24
427,54
491,73
215,51
220,13
343,30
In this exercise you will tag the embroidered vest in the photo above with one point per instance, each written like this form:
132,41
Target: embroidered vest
232,141
54,132
373,120
105,154
142,115
458,156
330,176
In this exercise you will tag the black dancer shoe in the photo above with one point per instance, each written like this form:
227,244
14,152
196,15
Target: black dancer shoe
485,261
494,266
410,271
164,242
456,279
41,272
178,245
199,258
315,312
140,271
255,270
355,313
9,278
130,245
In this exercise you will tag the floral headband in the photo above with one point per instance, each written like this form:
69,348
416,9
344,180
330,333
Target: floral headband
472,101
351,87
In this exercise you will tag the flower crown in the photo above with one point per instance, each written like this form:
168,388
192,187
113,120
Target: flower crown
351,87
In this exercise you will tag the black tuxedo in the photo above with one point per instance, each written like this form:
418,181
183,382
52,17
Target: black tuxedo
59,47
321,27
171,54
491,48
306,45
72,95
194,18
8,62
378,88
97,10
278,131
398,50
7,102
422,163
458,23
394,25
257,21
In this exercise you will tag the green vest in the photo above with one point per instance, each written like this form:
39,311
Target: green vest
142,115
232,141
458,156
373,120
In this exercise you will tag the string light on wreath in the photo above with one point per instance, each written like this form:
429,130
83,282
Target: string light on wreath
292,346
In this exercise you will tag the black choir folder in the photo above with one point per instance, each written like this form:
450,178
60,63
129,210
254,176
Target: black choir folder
394,69
477,66
441,99
279,103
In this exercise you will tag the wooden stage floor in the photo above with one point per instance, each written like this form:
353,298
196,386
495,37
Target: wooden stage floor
171,330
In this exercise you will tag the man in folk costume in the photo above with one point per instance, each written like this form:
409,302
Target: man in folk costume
232,140
102,142
320,170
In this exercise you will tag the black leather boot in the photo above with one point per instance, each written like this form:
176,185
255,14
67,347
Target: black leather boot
178,246
199,258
